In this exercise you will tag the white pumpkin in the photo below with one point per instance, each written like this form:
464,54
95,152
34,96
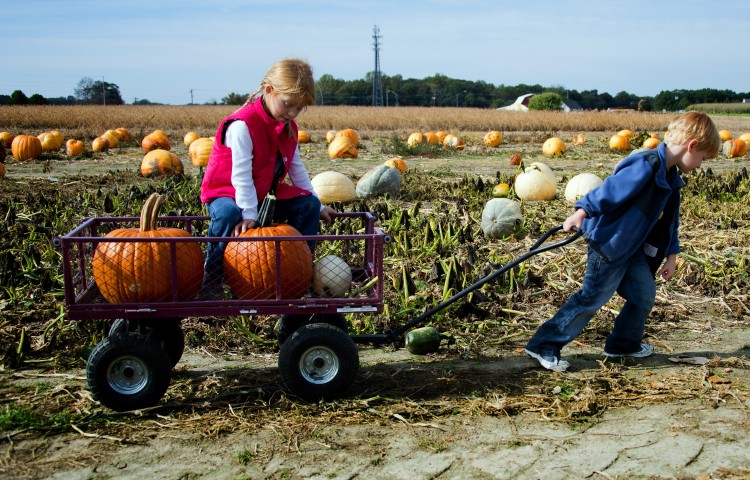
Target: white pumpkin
580,185
333,187
535,184
501,217
332,276
543,167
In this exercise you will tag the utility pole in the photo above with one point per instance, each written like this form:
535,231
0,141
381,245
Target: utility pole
104,92
191,96
377,87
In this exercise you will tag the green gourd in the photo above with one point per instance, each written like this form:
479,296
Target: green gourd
422,341
501,217
379,180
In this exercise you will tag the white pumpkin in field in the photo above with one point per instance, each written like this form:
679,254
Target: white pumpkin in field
333,187
541,166
534,183
501,217
580,185
332,276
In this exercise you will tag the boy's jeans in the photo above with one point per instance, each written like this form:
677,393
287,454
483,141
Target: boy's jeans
303,213
634,282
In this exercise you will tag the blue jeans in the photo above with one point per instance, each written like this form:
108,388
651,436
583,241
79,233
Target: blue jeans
631,279
302,213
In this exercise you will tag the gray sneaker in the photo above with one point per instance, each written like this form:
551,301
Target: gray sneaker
646,351
550,363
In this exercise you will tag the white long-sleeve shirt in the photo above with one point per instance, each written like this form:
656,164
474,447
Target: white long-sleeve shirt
239,140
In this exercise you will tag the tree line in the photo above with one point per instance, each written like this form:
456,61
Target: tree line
434,91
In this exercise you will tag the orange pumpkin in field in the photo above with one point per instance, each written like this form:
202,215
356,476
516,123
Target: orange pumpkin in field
303,136
342,147
6,138
26,147
734,148
725,135
113,137
579,139
351,134
398,163
553,146
619,142
493,138
189,138
416,138
626,133
651,143
125,135
127,271
60,140
156,140
74,147
50,143
161,163
100,144
250,266
432,138
200,151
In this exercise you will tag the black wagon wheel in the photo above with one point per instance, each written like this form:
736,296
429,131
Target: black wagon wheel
167,332
288,324
318,361
128,371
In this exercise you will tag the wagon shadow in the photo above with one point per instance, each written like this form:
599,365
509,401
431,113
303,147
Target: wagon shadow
419,380
448,380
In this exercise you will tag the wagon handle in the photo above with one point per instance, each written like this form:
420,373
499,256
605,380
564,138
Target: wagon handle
535,249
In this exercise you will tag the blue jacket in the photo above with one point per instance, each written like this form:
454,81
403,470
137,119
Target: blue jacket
624,209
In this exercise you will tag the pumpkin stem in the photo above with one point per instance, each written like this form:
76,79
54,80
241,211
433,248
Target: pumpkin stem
266,211
150,212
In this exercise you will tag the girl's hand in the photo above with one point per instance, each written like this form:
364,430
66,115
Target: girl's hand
325,214
243,227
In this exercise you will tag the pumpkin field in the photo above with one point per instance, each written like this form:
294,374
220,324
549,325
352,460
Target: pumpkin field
476,408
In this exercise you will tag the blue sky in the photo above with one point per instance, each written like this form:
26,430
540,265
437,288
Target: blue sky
160,50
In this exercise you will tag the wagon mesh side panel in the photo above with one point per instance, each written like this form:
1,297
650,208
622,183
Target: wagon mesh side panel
102,272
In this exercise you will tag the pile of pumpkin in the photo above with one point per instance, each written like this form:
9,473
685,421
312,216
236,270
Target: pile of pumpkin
734,147
126,271
160,161
30,147
501,216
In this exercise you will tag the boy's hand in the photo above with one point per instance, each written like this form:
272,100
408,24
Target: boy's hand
669,268
575,220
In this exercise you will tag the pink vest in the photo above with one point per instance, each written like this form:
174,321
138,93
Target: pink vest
269,138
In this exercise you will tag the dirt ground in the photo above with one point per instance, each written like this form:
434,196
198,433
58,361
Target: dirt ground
479,409
660,418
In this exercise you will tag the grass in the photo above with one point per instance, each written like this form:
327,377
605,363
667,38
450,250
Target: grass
722,108
88,122
18,418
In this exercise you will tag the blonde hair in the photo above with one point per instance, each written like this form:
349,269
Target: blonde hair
695,126
290,76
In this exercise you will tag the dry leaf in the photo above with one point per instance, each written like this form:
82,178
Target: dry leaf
689,360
